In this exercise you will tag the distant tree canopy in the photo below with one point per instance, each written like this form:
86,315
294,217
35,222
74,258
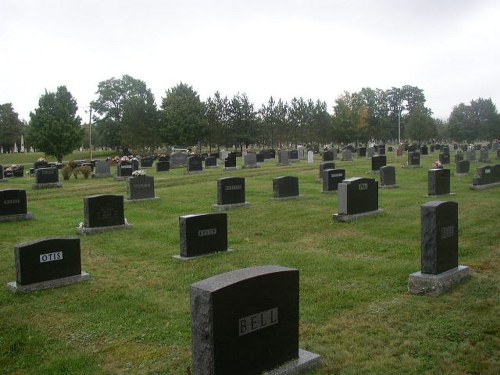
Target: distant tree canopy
11,128
54,127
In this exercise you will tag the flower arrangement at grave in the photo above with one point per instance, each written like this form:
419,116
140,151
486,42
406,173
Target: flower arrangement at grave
41,159
437,165
138,173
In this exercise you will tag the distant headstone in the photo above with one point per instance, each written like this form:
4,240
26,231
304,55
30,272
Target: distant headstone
310,157
438,182
487,175
439,250
124,169
250,161
141,188
459,156
470,155
13,205
370,152
202,234
331,179
135,164
101,213
378,162
484,155
2,179
283,158
47,263
162,166
325,165
301,152
362,152
424,150
46,178
286,187
147,162
358,197
246,322
346,155
328,155
293,156
463,168
498,153
444,158
230,162
178,160
230,193
260,157
194,164
388,177
102,169
210,162
414,159
381,149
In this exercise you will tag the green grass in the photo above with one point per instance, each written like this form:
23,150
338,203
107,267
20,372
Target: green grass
133,315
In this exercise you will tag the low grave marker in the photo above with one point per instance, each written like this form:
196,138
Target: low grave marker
141,188
388,177
14,205
438,182
331,179
194,165
102,169
358,197
230,193
102,213
378,161
462,168
286,187
46,178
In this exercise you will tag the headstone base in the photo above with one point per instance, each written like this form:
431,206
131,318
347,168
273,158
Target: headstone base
375,172
200,256
225,207
462,174
395,186
50,284
306,362
20,217
435,285
346,218
141,199
288,198
230,168
485,186
102,175
440,195
122,178
84,231
49,185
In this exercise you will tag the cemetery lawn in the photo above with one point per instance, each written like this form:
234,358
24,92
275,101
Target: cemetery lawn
133,316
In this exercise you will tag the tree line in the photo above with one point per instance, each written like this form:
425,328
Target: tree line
125,115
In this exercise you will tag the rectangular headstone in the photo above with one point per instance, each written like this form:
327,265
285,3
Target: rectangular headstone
178,160
283,157
102,169
470,155
202,234
230,161
362,152
230,190
439,243
358,195
463,166
387,175
210,162
141,187
285,187
459,156
310,157
370,152
438,181
103,211
444,158
324,165
1,173
46,176
414,158
484,155
332,178
347,155
424,150
13,202
250,160
260,157
47,259
484,175
378,162
293,155
194,164
124,169
328,155
162,166
246,321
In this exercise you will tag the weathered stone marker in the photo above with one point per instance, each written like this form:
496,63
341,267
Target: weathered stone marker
246,322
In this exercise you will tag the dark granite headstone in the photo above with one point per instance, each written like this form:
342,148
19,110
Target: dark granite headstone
46,176
414,158
13,202
147,162
162,166
230,161
124,169
202,234
439,244
194,164
260,157
135,164
178,160
433,148
459,156
424,150
40,164
381,149
387,176
230,190
444,158
332,178
328,155
47,259
210,162
293,155
463,167
445,149
285,187
362,152
1,173
325,165
246,321
358,195
103,211
485,175
438,181
141,187
378,161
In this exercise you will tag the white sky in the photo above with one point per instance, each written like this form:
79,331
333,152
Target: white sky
285,48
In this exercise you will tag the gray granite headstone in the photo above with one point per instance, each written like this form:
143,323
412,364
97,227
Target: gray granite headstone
178,160
470,155
283,157
463,167
325,165
484,155
347,155
102,169
250,161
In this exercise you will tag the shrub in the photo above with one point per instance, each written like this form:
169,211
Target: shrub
66,172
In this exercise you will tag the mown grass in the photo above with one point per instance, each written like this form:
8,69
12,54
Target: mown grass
133,316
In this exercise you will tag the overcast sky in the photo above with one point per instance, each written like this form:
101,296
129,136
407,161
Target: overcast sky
313,49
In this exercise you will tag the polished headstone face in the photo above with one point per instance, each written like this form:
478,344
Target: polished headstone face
230,190
328,155
424,150
178,160
146,162
230,161
246,321
162,166
332,178
438,181
486,175
285,186
444,158
362,152
142,187
195,164
378,161
124,169
325,165
260,157
210,161
13,202
293,155
358,195
203,234
414,158
46,175
47,259
388,176
103,211
439,243
463,166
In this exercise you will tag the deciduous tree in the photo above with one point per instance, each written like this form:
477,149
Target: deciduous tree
11,128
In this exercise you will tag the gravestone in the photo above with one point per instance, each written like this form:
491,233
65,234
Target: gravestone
439,250
47,263
331,179
414,160
230,162
141,188
260,157
230,193
210,162
2,179
202,234
194,165
286,187
445,149
325,165
40,164
135,164
310,157
381,149
378,162
223,155
328,155
346,155
46,178
487,175
362,152
124,169
301,152
102,169
424,150
250,161
102,213
444,158
246,322
358,197
370,152
462,168
178,160
470,155
438,182
388,177
459,156
147,162
293,156
484,155
283,158
14,205
162,166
